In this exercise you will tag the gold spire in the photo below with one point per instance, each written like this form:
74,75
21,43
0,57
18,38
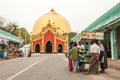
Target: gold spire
52,10
20,36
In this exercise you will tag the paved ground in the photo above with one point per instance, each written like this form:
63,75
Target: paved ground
47,67
114,63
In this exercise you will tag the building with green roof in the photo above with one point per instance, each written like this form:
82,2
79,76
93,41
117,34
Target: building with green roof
9,37
109,23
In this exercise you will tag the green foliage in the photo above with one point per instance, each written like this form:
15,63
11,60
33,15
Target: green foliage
2,28
12,28
24,33
70,36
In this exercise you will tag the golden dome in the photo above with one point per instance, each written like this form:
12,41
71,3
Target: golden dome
55,19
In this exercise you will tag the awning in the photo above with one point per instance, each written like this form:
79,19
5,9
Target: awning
76,38
9,37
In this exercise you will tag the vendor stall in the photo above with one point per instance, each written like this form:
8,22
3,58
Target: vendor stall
8,44
85,39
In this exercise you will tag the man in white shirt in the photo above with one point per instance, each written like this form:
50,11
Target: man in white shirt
94,63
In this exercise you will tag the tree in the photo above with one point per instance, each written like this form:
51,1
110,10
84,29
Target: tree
2,21
24,33
10,27
7,27
2,28
71,35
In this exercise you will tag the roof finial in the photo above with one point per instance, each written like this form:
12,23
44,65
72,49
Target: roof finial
49,24
52,10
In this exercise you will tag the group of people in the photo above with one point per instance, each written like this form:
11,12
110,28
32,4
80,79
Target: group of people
98,57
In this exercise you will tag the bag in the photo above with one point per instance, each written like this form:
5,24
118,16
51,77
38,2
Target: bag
70,65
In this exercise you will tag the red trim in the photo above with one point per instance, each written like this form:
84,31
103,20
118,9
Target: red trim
37,42
49,36
60,42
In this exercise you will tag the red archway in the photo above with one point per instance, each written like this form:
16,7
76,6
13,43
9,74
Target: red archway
48,48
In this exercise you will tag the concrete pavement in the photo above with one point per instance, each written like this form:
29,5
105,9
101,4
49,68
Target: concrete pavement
115,64
47,67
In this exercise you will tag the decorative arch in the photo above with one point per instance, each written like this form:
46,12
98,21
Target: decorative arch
60,43
49,47
60,48
37,48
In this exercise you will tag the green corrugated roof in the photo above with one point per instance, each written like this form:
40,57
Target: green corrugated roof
9,37
76,38
108,17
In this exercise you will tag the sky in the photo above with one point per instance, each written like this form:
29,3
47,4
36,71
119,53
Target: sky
79,13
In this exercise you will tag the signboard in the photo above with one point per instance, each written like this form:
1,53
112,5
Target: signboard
92,35
99,35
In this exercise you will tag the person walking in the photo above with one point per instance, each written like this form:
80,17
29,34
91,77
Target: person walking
74,56
94,63
103,59
69,59
29,53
